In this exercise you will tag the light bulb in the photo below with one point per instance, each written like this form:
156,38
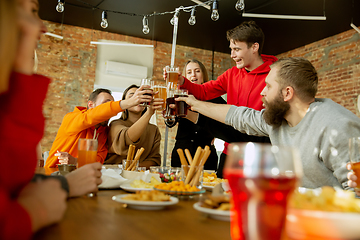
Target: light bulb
104,23
215,12
192,19
215,15
60,6
240,5
175,18
146,28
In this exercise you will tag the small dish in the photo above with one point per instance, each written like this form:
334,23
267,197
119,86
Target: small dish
126,186
144,205
213,213
178,193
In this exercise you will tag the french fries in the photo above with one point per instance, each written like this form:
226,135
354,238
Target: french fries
153,195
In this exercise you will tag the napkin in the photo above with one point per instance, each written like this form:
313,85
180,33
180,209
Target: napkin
145,176
111,178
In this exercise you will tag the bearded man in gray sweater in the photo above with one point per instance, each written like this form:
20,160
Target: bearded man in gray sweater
318,127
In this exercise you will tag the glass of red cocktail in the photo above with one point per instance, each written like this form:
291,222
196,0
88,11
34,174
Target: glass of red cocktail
261,178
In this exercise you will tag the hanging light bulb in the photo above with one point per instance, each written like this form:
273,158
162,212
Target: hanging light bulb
60,6
146,28
240,5
215,12
104,22
175,17
192,19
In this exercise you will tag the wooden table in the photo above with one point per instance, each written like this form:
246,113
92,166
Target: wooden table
102,218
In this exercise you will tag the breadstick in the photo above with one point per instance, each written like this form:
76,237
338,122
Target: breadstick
193,164
130,150
188,155
183,160
196,179
136,159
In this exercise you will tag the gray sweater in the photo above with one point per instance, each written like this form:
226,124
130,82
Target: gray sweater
321,136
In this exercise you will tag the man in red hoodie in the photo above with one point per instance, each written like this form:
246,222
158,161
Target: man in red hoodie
242,83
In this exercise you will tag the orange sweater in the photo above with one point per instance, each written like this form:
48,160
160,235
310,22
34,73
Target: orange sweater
81,124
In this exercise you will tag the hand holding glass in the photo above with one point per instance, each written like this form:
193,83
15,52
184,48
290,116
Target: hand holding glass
146,82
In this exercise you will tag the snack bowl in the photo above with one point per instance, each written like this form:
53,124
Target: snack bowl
313,224
66,168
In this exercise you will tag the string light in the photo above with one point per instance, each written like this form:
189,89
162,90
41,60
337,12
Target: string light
146,28
215,12
60,6
240,5
175,17
192,19
104,22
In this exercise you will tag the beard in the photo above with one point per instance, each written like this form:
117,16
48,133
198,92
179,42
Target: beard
275,111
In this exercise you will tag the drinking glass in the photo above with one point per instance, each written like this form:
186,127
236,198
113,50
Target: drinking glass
159,88
87,151
261,178
354,153
170,113
146,82
181,107
172,77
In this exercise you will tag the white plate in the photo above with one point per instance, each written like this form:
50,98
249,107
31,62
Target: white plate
213,213
144,205
126,186
320,224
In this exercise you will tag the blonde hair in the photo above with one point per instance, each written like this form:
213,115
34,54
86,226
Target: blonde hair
9,34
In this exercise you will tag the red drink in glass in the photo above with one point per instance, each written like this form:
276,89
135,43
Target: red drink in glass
259,205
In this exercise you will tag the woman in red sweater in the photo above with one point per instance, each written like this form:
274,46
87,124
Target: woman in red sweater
27,206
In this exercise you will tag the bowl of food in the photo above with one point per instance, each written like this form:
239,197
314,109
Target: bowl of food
66,168
323,213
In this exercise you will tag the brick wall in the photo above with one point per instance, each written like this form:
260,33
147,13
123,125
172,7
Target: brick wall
71,63
337,60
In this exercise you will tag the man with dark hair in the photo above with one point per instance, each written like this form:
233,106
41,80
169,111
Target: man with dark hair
90,122
318,127
242,83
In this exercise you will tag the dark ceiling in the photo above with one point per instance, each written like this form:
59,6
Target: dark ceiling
280,35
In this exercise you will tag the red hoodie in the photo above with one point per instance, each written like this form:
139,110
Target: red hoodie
243,88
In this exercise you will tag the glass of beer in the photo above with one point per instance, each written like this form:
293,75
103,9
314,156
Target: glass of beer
146,82
354,152
87,151
181,106
170,113
261,178
172,76
159,88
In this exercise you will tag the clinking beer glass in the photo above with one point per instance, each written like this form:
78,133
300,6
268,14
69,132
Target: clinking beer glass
172,77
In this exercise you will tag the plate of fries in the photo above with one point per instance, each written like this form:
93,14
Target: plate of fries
146,200
223,215
140,185
323,213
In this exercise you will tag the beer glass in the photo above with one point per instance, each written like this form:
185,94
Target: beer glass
172,77
170,113
354,153
146,82
181,106
160,88
261,178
